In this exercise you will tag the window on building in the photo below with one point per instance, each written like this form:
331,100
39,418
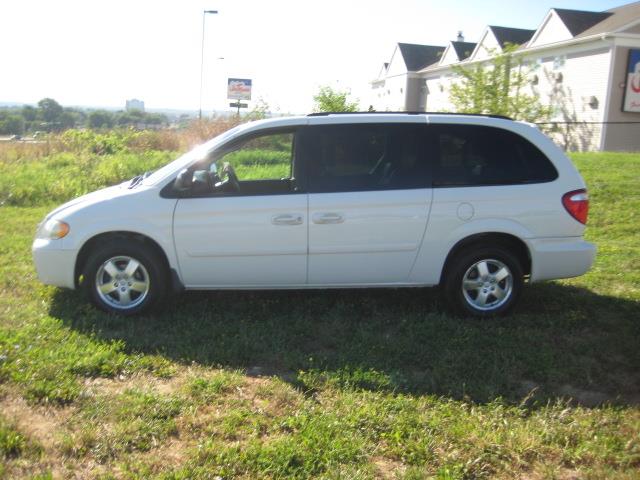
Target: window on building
559,61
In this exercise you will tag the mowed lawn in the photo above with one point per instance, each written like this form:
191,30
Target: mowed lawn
329,384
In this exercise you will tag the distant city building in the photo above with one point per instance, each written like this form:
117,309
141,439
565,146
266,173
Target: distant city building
134,104
581,63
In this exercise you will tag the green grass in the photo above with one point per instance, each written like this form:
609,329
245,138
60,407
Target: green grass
260,164
12,442
62,176
133,421
326,384
15,446
50,375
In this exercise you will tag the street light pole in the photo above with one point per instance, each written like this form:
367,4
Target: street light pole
204,14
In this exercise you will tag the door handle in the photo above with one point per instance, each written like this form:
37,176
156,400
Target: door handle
286,219
330,217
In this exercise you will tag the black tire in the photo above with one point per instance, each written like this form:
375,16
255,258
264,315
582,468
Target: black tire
487,288
118,256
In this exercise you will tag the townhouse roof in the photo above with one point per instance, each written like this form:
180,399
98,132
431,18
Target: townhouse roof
618,18
577,21
514,36
416,57
463,49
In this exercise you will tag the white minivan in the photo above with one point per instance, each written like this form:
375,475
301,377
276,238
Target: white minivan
477,204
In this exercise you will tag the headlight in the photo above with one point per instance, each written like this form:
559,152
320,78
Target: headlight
53,229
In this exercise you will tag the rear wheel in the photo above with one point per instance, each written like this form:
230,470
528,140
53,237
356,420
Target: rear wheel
483,282
124,277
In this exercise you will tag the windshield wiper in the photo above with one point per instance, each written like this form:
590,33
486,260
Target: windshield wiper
135,181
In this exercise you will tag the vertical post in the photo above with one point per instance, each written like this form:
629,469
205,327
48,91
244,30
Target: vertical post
204,14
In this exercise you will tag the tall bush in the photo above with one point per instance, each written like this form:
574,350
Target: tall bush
499,87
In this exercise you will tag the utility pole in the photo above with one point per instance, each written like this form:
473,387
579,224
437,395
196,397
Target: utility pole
204,14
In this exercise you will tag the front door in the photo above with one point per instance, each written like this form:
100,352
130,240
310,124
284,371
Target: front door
247,226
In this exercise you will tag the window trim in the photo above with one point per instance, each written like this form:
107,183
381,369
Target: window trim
434,184
428,167
228,147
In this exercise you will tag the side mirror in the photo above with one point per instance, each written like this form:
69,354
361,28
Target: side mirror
184,180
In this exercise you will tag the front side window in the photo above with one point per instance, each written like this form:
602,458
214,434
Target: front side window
257,164
363,157
265,157
473,155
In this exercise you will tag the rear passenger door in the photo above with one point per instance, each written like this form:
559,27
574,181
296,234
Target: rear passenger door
369,201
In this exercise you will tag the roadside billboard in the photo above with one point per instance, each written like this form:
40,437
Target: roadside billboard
239,88
631,102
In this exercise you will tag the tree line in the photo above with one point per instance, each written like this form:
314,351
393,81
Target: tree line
50,116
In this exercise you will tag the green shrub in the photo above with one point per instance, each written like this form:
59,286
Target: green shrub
63,176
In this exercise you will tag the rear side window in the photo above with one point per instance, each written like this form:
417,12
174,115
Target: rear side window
473,155
344,158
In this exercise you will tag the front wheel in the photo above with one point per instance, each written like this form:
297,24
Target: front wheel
484,282
123,277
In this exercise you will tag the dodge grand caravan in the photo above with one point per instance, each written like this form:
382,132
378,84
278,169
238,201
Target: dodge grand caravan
475,204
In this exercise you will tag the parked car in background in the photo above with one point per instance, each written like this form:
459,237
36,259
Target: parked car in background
475,204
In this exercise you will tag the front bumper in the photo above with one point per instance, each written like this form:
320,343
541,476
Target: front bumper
54,265
560,257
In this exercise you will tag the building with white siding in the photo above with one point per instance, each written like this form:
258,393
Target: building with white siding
577,63
398,86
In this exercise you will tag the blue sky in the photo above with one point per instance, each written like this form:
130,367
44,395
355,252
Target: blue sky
83,52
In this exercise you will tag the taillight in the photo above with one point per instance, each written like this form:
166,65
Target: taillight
577,204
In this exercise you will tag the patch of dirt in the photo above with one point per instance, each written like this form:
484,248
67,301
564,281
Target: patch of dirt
387,468
45,426
141,381
588,398
592,398
559,473
170,455
39,423
580,396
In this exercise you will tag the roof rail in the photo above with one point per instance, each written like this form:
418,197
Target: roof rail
488,115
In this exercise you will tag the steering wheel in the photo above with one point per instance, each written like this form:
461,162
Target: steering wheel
212,180
232,178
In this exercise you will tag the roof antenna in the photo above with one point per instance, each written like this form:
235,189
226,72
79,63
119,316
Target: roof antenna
460,37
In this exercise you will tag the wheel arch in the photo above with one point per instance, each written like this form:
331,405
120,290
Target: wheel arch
514,244
91,243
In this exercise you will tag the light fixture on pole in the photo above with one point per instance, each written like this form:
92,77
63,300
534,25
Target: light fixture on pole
204,14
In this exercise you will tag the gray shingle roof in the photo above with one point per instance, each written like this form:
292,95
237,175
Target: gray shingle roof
417,57
463,49
577,21
620,16
514,36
